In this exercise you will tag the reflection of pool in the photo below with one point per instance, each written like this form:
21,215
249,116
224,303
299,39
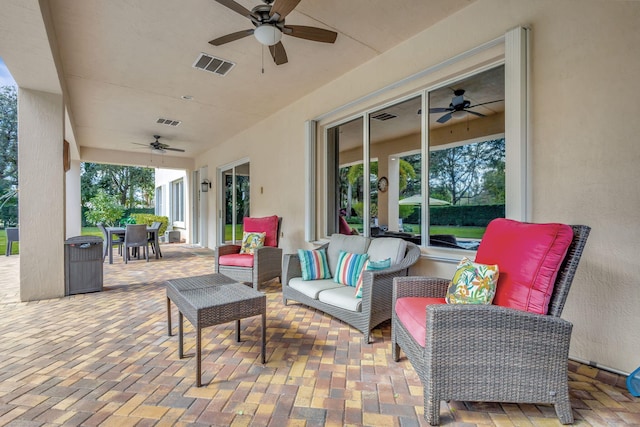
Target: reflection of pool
471,245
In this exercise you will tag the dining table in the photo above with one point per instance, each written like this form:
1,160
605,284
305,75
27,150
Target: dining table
121,231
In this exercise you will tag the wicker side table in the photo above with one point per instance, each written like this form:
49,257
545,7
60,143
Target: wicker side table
211,300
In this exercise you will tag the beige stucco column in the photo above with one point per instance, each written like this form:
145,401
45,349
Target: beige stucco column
42,194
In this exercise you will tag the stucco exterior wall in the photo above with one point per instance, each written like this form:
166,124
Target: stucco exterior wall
42,194
584,146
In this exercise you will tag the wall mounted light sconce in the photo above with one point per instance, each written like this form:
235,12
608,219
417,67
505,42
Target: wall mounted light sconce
205,185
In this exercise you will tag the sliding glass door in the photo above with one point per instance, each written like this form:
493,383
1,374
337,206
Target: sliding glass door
234,181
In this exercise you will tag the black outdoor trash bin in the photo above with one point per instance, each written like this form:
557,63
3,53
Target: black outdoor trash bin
82,265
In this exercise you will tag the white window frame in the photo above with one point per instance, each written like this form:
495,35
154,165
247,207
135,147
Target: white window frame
517,170
159,200
177,203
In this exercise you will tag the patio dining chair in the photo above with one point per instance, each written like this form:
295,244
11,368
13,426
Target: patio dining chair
136,237
13,235
115,241
512,347
154,239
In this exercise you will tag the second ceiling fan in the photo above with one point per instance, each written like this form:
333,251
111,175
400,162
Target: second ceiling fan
269,23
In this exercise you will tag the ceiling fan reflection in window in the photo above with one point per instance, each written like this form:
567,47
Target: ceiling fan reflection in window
269,23
459,107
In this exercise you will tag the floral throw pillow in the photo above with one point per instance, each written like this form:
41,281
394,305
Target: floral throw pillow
473,283
251,241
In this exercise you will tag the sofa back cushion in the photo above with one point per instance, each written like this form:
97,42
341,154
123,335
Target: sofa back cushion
339,242
529,257
382,248
267,225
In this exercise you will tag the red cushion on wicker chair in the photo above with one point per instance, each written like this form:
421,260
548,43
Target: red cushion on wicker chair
267,225
412,313
236,260
529,257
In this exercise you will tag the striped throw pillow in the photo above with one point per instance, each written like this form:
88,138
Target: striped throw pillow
314,264
349,268
371,266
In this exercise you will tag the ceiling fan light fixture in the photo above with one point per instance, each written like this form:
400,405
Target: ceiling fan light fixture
458,114
267,34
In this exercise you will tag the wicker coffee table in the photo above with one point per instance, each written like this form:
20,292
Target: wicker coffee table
211,300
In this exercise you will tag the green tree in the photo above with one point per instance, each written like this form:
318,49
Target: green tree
457,173
133,186
104,208
9,154
494,184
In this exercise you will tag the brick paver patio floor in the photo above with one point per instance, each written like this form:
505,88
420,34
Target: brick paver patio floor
104,359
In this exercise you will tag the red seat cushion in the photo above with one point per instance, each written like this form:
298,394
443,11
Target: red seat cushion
236,260
412,312
267,225
529,257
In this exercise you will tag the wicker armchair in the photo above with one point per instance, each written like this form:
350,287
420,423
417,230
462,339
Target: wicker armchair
490,353
266,262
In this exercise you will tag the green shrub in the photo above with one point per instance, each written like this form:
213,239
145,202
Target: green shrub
149,219
104,208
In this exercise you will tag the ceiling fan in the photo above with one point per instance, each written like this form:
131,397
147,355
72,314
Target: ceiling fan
269,23
159,146
459,107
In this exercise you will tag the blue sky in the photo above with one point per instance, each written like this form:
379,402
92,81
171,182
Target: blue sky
5,76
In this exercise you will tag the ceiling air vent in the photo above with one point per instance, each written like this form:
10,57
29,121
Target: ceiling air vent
168,122
383,116
213,65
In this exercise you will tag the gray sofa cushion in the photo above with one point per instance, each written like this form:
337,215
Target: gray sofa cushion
343,242
343,297
382,248
312,288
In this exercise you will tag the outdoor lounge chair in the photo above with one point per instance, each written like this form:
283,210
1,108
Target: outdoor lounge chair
501,352
265,263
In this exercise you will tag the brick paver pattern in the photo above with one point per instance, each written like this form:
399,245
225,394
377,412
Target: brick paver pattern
104,359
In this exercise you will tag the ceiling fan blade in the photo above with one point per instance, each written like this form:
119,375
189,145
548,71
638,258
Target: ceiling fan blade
283,7
439,110
311,33
236,8
444,118
231,37
474,113
485,103
173,149
278,53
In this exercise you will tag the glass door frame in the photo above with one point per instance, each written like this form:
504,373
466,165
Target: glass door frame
220,170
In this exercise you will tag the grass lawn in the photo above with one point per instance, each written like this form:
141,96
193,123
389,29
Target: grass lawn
91,231
227,232
459,232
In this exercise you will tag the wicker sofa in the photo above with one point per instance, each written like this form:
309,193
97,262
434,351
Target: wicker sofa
496,352
363,313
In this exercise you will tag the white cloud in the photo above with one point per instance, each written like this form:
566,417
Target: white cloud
5,76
